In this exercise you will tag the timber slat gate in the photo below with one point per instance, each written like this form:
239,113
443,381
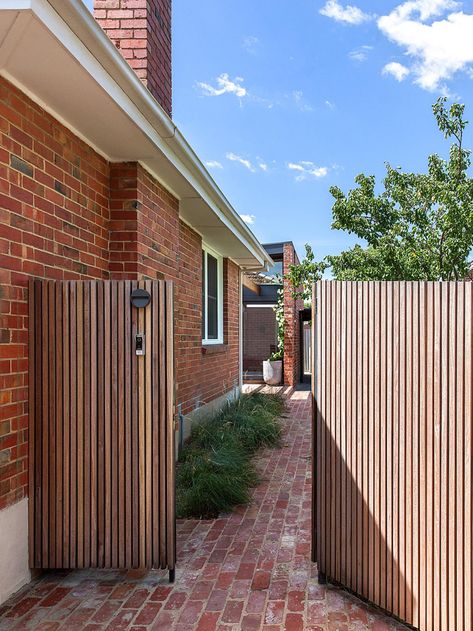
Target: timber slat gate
393,446
101,426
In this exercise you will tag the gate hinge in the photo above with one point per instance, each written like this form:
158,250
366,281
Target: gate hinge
176,422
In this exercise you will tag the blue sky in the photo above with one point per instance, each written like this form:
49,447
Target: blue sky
284,99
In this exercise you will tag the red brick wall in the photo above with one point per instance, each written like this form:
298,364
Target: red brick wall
259,336
204,373
54,222
65,213
291,323
141,30
168,248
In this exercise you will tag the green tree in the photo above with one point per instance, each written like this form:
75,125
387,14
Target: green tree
420,227
303,275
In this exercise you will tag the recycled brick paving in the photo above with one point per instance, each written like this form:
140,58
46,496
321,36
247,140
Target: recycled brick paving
247,571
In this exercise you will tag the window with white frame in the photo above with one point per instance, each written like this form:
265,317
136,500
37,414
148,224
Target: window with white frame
212,297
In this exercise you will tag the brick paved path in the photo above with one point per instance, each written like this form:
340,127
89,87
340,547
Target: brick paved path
249,571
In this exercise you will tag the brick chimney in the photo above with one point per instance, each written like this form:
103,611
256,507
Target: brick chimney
141,30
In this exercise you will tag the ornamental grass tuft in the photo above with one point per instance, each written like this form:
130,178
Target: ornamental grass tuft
215,471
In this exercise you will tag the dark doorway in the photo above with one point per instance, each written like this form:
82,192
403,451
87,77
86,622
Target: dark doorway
305,345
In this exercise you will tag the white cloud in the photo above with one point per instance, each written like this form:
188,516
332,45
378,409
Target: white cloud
263,166
347,14
214,164
249,219
439,48
396,70
225,85
233,157
360,53
300,101
329,104
251,44
306,169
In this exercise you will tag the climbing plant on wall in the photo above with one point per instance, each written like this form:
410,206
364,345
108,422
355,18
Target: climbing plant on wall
279,311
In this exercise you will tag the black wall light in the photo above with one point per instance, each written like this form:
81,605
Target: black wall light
140,298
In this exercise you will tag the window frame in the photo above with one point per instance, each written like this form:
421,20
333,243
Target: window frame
219,258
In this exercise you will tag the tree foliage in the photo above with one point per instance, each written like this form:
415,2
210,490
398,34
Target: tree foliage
302,276
421,226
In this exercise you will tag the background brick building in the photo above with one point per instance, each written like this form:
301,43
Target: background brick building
260,295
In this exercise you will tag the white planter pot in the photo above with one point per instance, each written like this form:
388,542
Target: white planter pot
272,372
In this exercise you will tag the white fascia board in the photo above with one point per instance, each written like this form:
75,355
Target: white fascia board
77,30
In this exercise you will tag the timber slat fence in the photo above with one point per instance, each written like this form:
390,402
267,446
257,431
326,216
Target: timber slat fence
101,426
393,446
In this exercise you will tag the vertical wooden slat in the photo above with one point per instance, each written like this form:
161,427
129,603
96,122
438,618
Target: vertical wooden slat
360,391
162,423
59,387
66,406
86,412
101,396
323,371
100,427
370,428
107,395
451,421
422,542
114,426
128,425
382,495
142,442
80,425
73,428
336,447
458,448
331,455
37,465
148,437
408,401
346,430
401,516
155,350
441,462
376,456
467,550
93,427
134,440
432,385
52,424
389,446
353,508
365,440
395,434
32,384
413,532
45,429
170,434
122,352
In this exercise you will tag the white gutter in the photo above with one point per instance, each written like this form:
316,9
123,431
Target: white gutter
82,23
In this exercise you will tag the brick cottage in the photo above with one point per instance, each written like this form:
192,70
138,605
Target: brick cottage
260,296
96,182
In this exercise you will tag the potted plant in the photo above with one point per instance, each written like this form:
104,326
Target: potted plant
272,367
